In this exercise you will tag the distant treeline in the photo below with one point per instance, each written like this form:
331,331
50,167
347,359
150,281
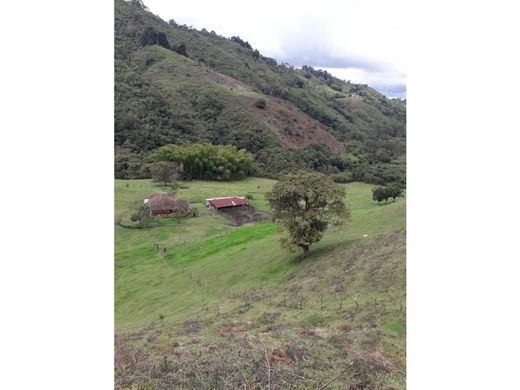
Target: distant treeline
226,162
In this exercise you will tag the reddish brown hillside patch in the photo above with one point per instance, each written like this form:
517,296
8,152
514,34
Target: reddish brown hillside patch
294,127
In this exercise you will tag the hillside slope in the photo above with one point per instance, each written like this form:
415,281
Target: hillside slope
176,84
205,309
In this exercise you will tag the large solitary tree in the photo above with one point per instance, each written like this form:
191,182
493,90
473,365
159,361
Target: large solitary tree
307,204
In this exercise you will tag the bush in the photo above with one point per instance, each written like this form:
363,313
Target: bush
140,215
181,49
260,103
384,193
249,196
316,320
379,194
394,190
342,177
152,37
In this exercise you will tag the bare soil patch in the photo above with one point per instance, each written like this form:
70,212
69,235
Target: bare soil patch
295,128
244,214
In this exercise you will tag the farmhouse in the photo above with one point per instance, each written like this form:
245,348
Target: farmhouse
222,203
164,204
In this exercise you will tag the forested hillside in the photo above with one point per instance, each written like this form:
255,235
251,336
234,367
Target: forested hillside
176,85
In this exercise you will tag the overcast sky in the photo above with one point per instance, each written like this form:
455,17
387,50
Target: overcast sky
358,40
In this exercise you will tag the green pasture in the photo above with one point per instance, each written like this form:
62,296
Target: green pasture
186,265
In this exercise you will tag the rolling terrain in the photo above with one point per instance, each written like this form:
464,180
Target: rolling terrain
176,84
200,303
203,303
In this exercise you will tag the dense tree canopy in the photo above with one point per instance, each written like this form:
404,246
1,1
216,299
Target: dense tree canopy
393,191
207,161
212,98
152,37
308,203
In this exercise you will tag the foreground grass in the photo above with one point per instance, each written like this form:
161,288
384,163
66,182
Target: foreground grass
211,285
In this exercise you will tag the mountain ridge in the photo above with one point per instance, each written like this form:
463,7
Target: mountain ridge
175,84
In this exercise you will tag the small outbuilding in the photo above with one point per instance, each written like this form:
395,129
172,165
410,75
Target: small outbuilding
161,204
221,203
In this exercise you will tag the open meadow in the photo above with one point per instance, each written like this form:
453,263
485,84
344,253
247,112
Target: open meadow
230,299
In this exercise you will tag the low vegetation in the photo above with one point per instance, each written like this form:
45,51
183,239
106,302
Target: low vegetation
260,103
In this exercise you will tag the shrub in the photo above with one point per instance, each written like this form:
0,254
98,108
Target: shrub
249,196
346,327
316,320
260,103
181,49
342,177
384,193
140,215
152,37
379,194
394,190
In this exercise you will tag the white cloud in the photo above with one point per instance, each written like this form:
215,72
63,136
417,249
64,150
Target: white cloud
365,38
390,82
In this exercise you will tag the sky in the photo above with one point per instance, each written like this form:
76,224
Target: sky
358,40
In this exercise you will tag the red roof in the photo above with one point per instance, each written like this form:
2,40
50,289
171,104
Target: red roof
228,202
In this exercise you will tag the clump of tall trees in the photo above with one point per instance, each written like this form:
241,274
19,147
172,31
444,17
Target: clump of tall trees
307,203
152,37
384,193
206,161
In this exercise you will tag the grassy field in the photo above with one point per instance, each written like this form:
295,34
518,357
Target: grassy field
211,285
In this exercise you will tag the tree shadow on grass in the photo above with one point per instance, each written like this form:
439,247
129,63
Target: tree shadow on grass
321,250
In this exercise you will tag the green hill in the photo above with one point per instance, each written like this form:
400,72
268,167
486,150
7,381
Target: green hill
175,84
199,303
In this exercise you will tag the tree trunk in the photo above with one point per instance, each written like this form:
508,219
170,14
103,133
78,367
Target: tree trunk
306,251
